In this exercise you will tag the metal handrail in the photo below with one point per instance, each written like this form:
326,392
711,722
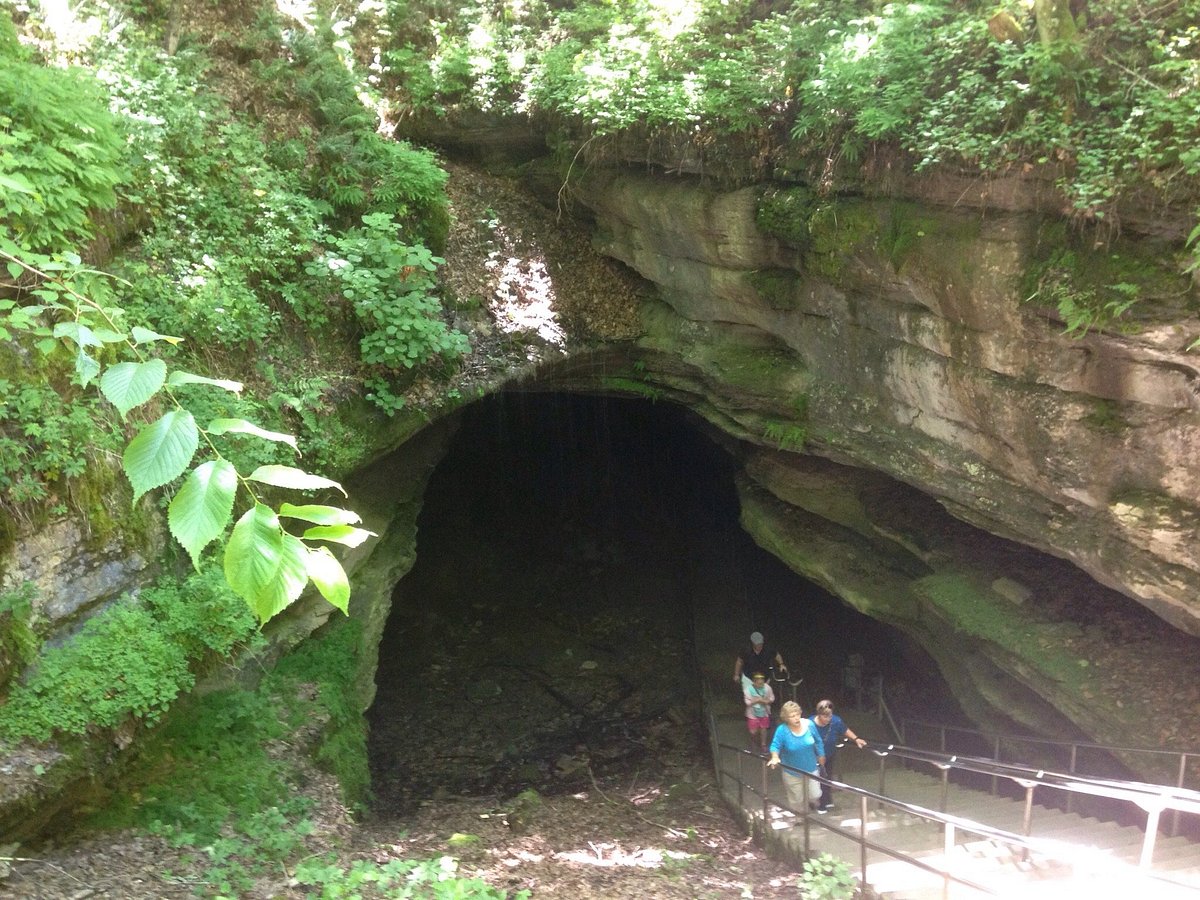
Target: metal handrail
1139,792
1183,757
1153,799
950,824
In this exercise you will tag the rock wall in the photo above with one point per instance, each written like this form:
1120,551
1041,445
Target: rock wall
912,353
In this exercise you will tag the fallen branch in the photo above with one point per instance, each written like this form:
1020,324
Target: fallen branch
603,796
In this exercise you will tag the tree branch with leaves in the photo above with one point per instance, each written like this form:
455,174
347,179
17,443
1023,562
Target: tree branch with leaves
264,562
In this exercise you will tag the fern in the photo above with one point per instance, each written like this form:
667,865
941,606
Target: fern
61,155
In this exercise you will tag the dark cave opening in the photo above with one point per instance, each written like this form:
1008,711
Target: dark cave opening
548,618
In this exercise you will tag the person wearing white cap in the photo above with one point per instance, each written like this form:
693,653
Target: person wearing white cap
758,657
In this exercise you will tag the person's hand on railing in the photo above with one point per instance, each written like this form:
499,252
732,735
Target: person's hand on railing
773,761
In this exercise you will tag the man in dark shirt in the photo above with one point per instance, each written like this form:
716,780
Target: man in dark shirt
758,657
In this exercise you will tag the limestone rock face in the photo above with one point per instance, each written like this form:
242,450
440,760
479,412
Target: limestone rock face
911,353
69,573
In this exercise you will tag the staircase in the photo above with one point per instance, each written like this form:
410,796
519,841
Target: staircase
1069,856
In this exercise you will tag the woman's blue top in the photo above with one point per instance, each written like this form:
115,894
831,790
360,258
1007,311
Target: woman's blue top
798,751
831,734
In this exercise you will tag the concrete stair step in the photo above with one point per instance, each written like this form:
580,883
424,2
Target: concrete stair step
1176,857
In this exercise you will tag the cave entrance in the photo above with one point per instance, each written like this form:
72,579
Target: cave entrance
545,631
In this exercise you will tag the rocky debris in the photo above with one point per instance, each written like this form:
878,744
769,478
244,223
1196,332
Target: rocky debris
524,282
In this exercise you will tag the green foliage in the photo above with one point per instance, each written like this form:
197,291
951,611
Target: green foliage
218,789
1097,286
784,213
19,643
330,662
786,436
826,878
227,231
133,659
634,65
61,154
390,285
835,230
46,439
267,565
396,879
209,779
1083,309
933,79
306,401
354,168
1108,111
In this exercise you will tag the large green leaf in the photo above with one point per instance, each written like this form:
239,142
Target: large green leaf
289,477
329,577
178,377
320,515
79,333
200,511
145,335
339,534
161,451
241,426
131,384
265,565
86,368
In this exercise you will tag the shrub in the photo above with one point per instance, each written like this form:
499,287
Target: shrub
826,878
47,438
133,659
390,285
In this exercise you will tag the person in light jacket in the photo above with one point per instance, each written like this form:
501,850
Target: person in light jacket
758,697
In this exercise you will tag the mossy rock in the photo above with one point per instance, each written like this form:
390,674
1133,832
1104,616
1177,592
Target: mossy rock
776,287
837,229
906,229
1114,283
784,213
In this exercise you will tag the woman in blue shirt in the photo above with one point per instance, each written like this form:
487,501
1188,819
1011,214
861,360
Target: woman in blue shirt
833,731
797,745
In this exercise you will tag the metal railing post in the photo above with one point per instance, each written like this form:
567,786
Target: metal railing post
741,783
1183,758
947,849
766,802
996,757
1071,771
1027,821
862,841
883,775
1151,835
945,786
807,813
